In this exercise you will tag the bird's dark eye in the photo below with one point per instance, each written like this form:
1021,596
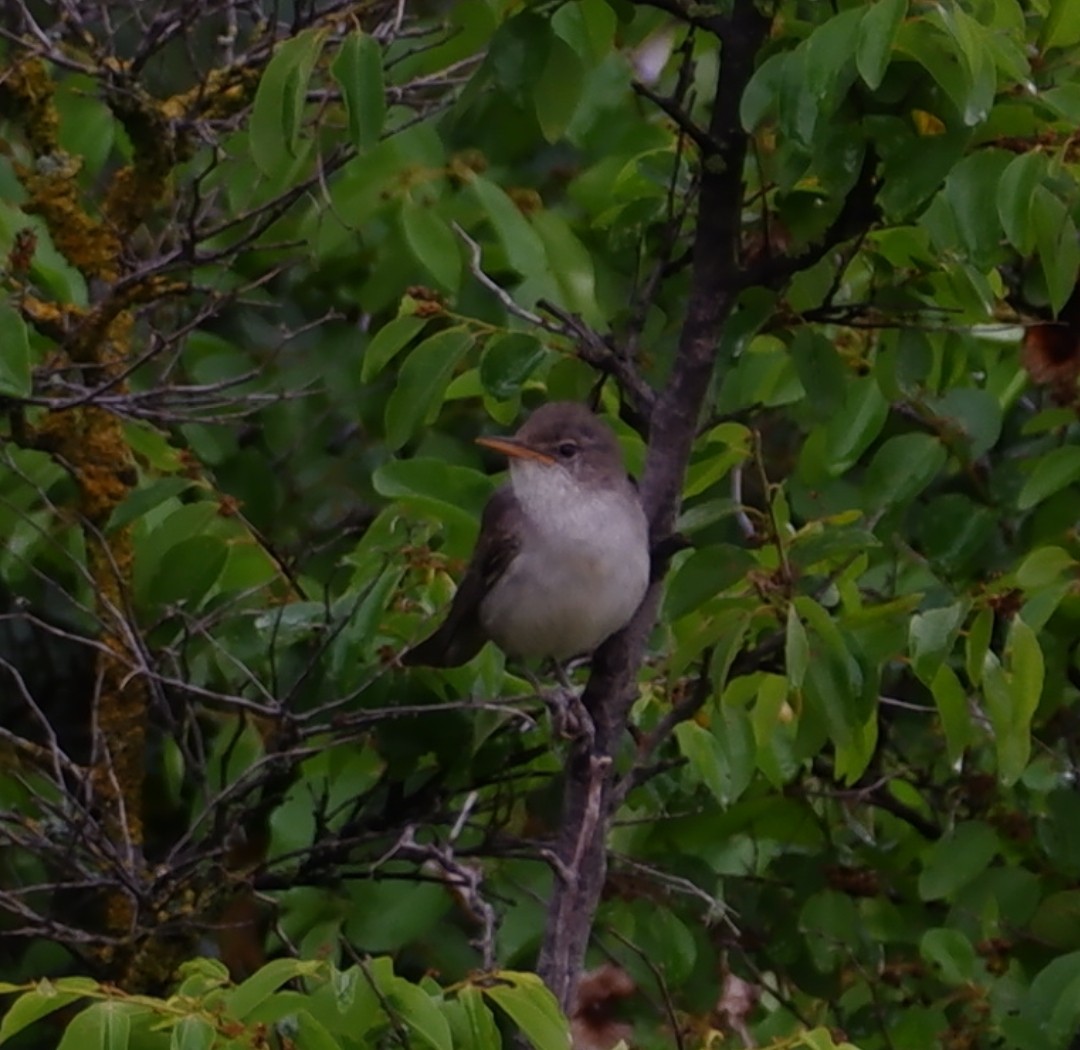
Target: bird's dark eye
567,450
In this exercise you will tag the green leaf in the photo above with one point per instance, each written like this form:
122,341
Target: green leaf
358,69
1061,27
169,524
975,413
87,126
728,641
424,377
344,984
192,1033
471,1021
421,1014
877,32
914,165
666,940
558,89
855,749
953,710
392,916
823,625
977,644
951,955
972,190
952,862
835,686
572,265
856,423
78,985
41,1001
977,58
931,636
280,99
764,375
589,28
902,468
821,1039
508,361
145,498
1063,100
828,918
1024,660
432,243
517,53
759,99
822,371
723,757
796,649
826,544
312,1034
736,749
15,378
388,342
704,574
524,249
361,1010
102,1026
188,571
1057,920
725,447
465,488
1045,566
955,533
768,707
1012,732
1016,192
1052,473
1052,1003
1059,249
262,984
353,643
154,446
698,746
818,75
249,565
201,976
532,1007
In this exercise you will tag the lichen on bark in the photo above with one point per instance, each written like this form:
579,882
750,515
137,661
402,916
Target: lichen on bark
89,443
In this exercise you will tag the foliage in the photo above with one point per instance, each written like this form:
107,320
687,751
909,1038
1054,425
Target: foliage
356,1007
265,281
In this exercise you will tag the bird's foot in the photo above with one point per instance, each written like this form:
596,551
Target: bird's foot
570,720
570,717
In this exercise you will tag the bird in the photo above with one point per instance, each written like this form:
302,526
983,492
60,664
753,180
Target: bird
562,559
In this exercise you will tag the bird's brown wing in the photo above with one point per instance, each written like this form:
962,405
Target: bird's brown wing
461,635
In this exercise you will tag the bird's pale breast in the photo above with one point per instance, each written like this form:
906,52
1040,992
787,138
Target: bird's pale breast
579,577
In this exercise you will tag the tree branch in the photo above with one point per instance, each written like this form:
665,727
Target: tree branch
673,422
701,138
638,397
858,213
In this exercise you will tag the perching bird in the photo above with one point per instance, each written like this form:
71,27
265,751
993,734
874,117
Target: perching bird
562,560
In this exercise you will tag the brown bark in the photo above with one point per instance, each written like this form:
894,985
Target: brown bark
587,801
90,444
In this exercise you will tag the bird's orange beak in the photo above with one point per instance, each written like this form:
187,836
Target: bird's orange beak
516,449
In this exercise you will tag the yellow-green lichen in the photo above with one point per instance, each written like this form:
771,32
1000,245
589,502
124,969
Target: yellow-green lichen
86,243
26,97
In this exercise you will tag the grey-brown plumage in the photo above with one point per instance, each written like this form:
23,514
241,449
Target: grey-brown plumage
562,560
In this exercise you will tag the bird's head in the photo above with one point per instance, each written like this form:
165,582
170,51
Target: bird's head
565,437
